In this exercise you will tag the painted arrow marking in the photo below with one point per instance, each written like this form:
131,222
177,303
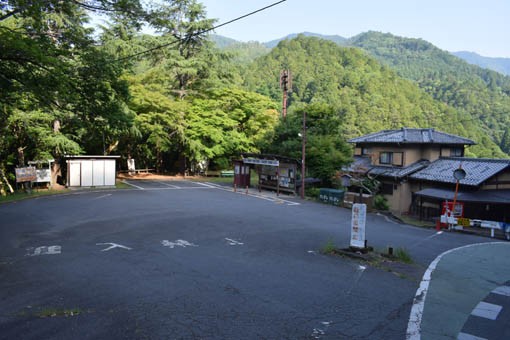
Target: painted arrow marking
112,246
233,242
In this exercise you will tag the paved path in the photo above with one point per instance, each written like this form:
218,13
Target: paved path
465,295
184,260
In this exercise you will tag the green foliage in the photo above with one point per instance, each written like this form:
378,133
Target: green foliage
326,149
381,203
366,95
312,192
480,97
403,255
329,247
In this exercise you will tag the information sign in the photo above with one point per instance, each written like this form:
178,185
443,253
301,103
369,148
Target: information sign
359,216
27,174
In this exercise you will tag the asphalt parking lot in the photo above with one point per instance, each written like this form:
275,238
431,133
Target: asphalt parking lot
187,260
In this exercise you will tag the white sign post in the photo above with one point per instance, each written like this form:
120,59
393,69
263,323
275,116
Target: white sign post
359,216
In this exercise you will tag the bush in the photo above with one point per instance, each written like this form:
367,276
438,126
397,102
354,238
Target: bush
381,203
313,192
329,247
403,255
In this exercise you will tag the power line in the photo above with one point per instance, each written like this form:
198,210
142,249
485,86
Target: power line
200,32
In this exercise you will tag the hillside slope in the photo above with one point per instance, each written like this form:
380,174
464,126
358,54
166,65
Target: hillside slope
483,95
367,95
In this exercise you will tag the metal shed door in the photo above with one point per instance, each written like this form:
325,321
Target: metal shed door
74,174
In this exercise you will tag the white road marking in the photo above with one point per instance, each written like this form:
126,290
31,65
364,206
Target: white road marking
233,242
169,185
487,310
312,252
465,336
360,270
502,290
426,239
415,317
275,200
208,185
318,332
44,250
112,246
177,243
133,185
101,197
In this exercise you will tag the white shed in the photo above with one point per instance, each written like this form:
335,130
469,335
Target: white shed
91,171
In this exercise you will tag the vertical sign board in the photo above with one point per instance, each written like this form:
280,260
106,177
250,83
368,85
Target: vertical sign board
359,217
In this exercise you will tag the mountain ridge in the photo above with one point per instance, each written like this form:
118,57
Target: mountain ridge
498,64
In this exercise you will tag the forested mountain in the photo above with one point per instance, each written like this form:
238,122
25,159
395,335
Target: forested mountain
501,65
483,95
240,52
334,38
365,95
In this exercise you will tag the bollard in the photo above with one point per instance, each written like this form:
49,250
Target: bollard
235,187
246,190
366,244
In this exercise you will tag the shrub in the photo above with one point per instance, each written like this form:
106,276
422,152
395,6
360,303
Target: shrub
312,192
381,203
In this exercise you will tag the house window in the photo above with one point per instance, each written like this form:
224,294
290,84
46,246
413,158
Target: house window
398,158
365,151
456,152
386,189
386,158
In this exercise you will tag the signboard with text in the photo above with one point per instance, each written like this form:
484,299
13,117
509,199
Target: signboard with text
27,174
358,221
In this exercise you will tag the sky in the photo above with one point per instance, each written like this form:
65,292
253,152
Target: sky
481,26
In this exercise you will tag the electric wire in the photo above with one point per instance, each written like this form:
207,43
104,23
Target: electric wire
199,32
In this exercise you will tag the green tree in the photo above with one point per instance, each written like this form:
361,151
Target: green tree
326,149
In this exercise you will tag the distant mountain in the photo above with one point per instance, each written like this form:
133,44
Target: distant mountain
242,52
222,42
483,94
501,65
334,38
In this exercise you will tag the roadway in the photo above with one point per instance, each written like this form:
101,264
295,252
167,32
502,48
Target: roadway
187,260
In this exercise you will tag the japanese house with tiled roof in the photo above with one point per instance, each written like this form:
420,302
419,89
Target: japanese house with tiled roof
415,168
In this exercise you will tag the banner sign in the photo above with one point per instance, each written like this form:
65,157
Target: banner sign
258,161
359,217
27,174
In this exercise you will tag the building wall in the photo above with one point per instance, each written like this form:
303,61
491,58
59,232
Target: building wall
400,201
500,181
410,153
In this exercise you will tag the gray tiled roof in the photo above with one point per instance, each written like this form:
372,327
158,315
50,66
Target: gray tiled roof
398,172
477,170
412,135
360,164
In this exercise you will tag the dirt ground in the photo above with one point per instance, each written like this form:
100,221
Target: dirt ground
150,176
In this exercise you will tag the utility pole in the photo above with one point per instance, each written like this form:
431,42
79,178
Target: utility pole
303,157
286,86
